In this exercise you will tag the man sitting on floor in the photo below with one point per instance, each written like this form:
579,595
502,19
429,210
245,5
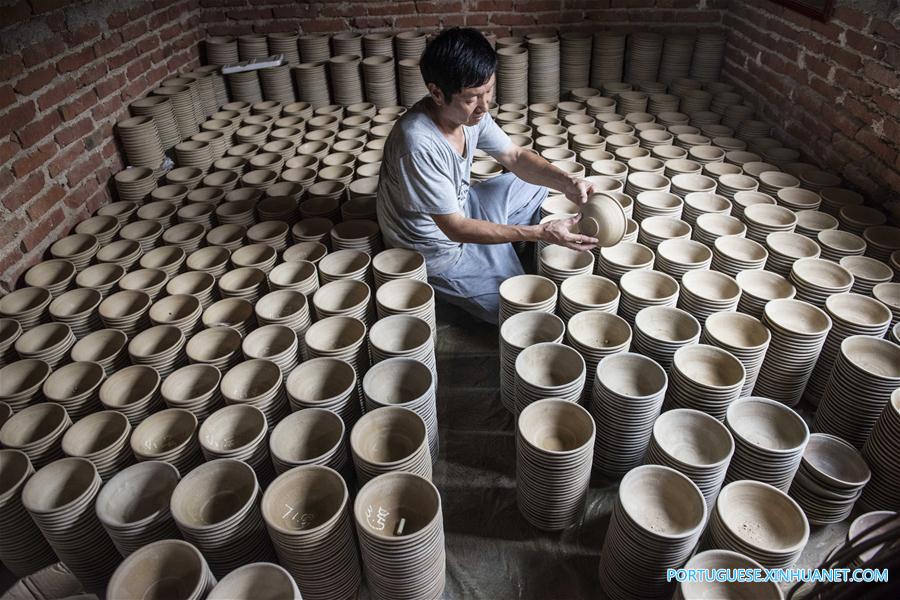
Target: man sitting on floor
426,201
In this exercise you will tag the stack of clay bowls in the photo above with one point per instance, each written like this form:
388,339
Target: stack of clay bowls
656,521
866,372
548,370
712,561
554,445
615,261
733,254
557,263
160,347
387,439
517,333
276,343
694,444
229,535
889,295
403,335
37,431
596,335
817,278
587,292
49,342
327,383
75,387
345,297
759,521
769,441
168,435
182,311
830,479
78,309
675,257
711,226
786,248
306,514
54,275
132,391
21,382
758,287
526,293
60,499
257,580
79,249
881,241
763,219
851,314
194,388
837,244
238,432
701,203
659,331
10,330
27,306
798,331
512,75
102,438
22,548
644,288
312,436
299,276
404,382
880,451
706,292
627,397
407,297
257,382
705,378
399,522
168,567
133,506
126,311
398,263
744,336
106,347
867,273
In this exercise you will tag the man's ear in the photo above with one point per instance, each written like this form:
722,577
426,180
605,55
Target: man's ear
436,94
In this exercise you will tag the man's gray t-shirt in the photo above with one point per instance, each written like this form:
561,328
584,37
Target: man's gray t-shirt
423,175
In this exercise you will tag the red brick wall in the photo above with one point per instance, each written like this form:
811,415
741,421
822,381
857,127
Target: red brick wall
500,16
67,72
832,89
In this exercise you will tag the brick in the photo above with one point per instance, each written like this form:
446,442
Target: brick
851,82
83,34
39,129
56,94
10,68
82,171
42,51
64,159
478,20
107,108
92,74
137,68
75,60
881,75
77,196
16,117
107,45
849,148
876,146
417,21
250,14
35,159
512,19
75,131
423,7
45,202
492,6
9,147
886,30
354,9
41,232
23,191
17,13
9,230
851,17
122,58
453,20
329,25
844,58
42,6
79,105
117,19
865,44
35,80
7,96
392,8
543,5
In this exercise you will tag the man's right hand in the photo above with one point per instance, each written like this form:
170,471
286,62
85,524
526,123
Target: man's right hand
559,232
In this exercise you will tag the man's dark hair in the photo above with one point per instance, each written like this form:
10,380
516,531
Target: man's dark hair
458,58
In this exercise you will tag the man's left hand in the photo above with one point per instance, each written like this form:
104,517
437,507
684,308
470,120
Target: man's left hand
579,190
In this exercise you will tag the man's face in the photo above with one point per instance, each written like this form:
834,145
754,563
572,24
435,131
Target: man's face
469,106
